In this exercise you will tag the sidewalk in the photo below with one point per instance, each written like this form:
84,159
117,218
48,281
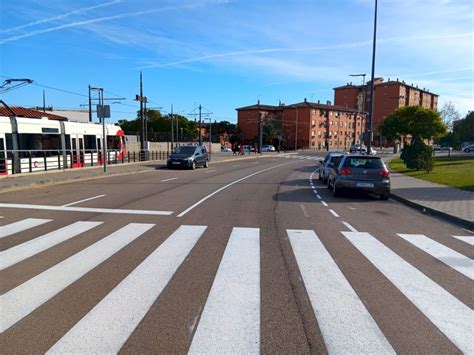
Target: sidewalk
28,180
454,205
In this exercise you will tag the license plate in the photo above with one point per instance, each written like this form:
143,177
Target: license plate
364,184
176,163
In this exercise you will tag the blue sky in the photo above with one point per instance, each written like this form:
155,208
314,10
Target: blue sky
227,54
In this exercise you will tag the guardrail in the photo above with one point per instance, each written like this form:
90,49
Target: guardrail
29,161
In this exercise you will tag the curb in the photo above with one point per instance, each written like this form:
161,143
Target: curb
460,222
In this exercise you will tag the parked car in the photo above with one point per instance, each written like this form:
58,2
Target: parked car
361,149
249,148
268,148
359,173
188,156
225,149
332,157
441,148
468,149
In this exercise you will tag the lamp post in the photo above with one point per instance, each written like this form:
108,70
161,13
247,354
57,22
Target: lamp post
358,104
371,110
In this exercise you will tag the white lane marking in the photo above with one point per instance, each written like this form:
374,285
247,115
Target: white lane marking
236,166
351,208
110,323
20,226
465,238
32,247
256,162
304,210
85,209
445,311
319,197
210,171
86,199
25,298
345,323
452,258
228,185
1,217
334,213
173,178
230,321
352,229
324,203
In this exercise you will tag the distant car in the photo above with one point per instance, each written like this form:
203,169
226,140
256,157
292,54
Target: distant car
468,149
188,156
249,148
268,148
332,157
359,173
225,149
361,149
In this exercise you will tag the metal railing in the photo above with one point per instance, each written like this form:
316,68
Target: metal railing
29,161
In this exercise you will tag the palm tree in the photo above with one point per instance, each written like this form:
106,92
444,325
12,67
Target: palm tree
270,132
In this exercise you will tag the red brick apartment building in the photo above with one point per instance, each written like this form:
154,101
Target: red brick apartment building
307,125
389,96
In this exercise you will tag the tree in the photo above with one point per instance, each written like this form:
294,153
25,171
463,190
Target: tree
415,121
270,133
464,130
449,114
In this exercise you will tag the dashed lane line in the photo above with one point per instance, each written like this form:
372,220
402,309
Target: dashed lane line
334,213
170,179
324,203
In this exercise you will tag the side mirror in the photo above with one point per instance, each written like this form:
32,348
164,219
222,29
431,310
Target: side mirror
197,154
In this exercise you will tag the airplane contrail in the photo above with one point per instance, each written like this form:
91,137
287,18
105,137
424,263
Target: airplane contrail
286,49
100,19
67,14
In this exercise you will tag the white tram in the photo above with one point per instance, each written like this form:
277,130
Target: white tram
31,144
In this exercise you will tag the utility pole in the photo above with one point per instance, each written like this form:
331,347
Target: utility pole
296,130
177,130
142,138
172,128
200,122
372,100
260,140
104,144
44,102
90,104
210,138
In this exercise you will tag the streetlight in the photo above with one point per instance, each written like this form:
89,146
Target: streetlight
371,111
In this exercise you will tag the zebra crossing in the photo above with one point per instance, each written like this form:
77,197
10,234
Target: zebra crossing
230,317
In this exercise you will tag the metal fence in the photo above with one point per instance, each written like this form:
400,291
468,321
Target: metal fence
29,161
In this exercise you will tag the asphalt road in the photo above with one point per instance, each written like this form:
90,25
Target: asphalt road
245,257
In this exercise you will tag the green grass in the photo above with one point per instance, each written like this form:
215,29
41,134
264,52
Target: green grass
455,171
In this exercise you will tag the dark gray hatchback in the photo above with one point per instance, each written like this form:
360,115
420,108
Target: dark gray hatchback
362,173
188,156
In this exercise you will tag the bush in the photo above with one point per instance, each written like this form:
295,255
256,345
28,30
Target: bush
418,156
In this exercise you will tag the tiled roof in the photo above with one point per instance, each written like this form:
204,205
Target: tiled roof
323,106
258,107
28,113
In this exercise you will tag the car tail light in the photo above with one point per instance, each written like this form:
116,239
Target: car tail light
384,172
345,171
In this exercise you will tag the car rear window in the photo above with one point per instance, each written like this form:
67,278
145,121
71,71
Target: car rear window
336,160
363,163
185,150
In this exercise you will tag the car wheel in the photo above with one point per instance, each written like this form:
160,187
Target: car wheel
328,184
467,150
335,191
193,165
385,195
206,164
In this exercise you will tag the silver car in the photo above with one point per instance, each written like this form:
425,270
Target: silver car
359,173
333,157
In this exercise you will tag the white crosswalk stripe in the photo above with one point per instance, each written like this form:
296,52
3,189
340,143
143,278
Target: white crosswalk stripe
230,321
21,226
346,324
465,238
109,324
450,315
25,250
22,300
452,258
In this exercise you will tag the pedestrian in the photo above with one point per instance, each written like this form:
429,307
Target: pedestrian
241,150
